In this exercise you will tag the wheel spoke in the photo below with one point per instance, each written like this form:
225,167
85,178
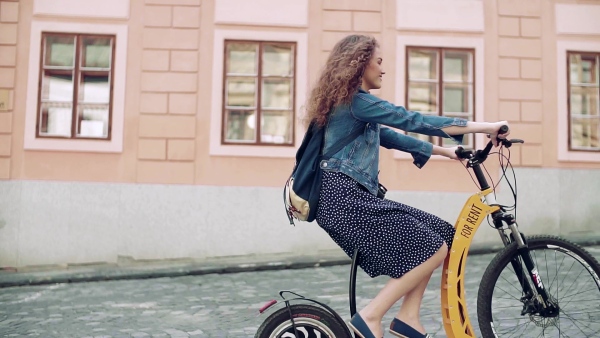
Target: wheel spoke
509,318
513,297
575,280
558,327
558,268
586,312
579,320
546,261
512,284
578,293
573,321
524,330
541,334
568,272
516,329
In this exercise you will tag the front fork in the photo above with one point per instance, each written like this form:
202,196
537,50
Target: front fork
535,296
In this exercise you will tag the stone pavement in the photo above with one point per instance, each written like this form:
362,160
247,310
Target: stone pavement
206,305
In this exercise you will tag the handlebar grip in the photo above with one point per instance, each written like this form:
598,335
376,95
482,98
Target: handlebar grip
463,153
485,152
458,151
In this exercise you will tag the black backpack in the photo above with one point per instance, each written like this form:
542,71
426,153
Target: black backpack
301,191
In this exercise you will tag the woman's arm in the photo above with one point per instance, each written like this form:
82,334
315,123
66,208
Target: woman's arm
369,108
491,128
420,150
474,127
447,152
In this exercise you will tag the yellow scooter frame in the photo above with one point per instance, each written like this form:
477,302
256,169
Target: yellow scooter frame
454,306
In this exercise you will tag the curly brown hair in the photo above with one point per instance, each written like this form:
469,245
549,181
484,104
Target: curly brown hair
341,76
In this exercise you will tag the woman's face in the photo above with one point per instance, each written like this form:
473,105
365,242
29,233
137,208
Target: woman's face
372,76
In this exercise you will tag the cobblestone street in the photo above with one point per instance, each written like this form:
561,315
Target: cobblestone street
198,306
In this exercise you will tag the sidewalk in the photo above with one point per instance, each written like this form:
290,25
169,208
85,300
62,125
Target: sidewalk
184,267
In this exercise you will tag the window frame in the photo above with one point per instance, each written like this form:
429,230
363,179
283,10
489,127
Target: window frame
440,82
214,68
570,52
430,39
77,72
259,77
115,145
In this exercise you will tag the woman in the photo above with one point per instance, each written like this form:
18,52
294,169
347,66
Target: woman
393,239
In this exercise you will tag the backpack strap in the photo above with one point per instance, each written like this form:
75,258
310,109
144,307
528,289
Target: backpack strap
343,142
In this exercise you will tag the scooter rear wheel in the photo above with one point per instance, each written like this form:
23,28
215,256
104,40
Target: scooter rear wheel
311,322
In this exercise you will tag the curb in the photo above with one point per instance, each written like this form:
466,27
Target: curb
205,267
146,271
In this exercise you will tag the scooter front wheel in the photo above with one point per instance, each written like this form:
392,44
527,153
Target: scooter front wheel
570,276
311,322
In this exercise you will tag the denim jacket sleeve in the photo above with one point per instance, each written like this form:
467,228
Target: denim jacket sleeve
419,149
369,108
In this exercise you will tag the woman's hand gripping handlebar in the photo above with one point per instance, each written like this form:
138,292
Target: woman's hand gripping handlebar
481,155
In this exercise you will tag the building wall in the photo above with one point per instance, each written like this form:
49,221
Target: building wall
164,187
9,19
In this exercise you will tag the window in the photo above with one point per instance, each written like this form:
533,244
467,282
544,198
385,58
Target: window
258,93
583,90
75,86
440,81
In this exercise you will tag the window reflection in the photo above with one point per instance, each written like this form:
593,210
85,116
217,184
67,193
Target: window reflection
456,66
55,119
583,69
422,97
277,60
584,97
422,64
584,100
457,98
277,93
276,127
94,121
584,133
241,92
57,87
241,58
97,52
59,51
94,88
241,125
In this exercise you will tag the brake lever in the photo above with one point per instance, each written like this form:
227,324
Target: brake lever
507,143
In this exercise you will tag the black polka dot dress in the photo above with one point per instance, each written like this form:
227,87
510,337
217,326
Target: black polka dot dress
392,238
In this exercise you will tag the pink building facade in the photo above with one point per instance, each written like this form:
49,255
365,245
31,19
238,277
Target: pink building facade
161,129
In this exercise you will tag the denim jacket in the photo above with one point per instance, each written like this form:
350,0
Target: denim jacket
360,158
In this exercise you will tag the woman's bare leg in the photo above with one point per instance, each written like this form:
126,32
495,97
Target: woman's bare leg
396,288
411,306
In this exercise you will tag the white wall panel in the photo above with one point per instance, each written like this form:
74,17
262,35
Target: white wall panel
118,9
451,15
262,12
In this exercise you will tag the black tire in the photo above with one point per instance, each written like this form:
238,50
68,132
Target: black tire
569,261
309,319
